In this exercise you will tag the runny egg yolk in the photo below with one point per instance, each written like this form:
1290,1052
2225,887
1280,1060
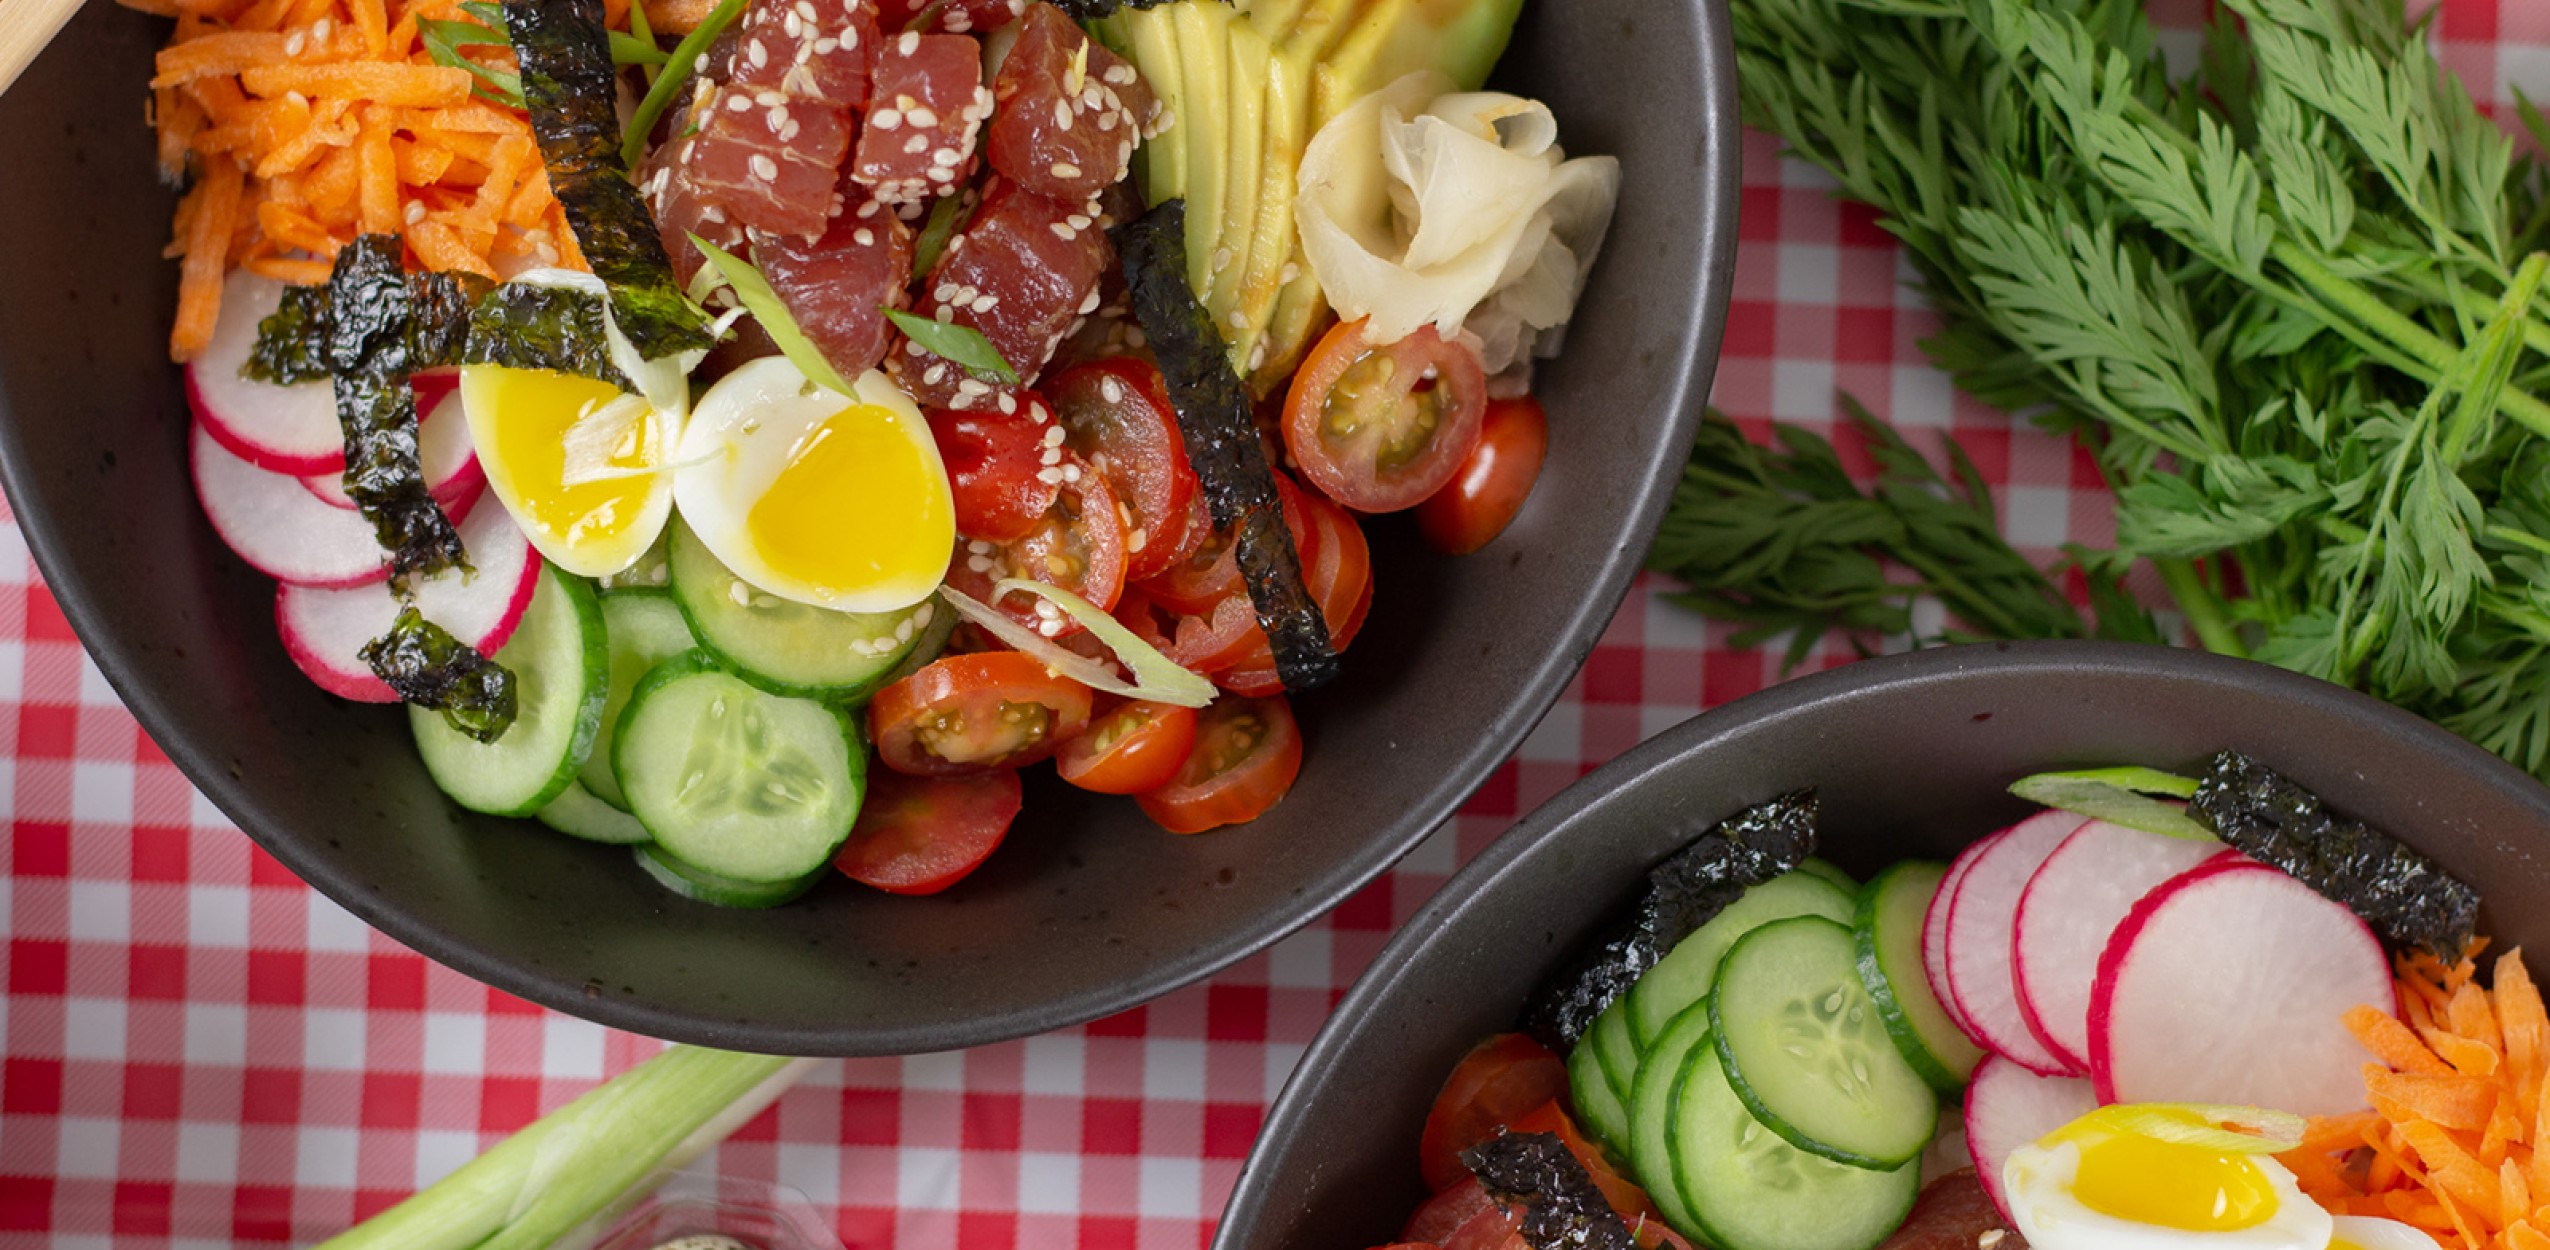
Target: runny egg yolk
852,504
2195,1189
538,411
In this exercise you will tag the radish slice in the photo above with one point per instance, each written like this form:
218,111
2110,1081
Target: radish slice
1979,928
1934,932
324,630
443,450
282,429
278,526
2008,1106
2228,984
2071,906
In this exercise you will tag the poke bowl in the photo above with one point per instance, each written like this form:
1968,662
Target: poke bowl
2095,975
1089,906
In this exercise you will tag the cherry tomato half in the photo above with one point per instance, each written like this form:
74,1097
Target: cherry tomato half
1115,414
1247,753
992,463
1077,545
1129,748
920,835
1500,1081
1380,427
975,713
1337,567
1489,488
1210,572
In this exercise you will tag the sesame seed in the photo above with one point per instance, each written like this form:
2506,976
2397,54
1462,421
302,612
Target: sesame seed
923,117
1120,74
946,315
986,303
978,564
943,157
1290,274
1063,231
757,54
1065,169
1052,455
765,168
1221,259
321,29
713,216
415,211
969,388
908,44
864,237
787,134
886,119
1071,473
868,210
932,375
293,45
1062,114
700,64
1106,122
917,143
738,104
1049,476
1050,629
1090,304
1239,319
795,26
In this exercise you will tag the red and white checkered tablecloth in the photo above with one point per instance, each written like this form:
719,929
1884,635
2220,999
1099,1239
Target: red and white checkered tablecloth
198,1050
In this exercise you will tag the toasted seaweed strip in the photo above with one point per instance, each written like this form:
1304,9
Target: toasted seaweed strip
2407,898
1562,1207
1680,894
1220,426
570,87
292,342
556,328
430,668
372,349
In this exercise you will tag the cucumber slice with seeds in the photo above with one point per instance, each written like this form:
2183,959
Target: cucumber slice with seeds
558,658
1804,1048
1887,932
735,781
1686,973
782,646
1749,1189
645,628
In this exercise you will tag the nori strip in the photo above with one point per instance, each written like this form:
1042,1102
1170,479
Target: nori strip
430,668
2406,897
559,329
1562,1207
1681,894
372,350
570,87
1092,10
1220,425
292,342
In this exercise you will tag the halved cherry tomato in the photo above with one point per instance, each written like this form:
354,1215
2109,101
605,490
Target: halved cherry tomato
1211,572
992,465
1115,414
1247,753
1489,488
1379,427
1500,1081
1337,567
920,835
1129,748
1078,545
975,713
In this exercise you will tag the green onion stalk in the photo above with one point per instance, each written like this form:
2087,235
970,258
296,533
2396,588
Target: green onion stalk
569,1174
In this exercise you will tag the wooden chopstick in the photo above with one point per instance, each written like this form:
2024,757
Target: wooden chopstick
25,27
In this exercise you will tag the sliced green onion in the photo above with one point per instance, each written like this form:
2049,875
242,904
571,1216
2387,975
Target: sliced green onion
677,73
587,1159
935,233
2211,1126
753,290
962,346
1155,676
443,41
645,35
2137,798
1174,685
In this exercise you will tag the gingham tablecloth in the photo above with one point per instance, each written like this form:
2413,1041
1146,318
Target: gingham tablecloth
198,1050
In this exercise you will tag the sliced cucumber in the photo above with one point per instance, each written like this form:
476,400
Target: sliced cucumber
1814,867
928,644
558,659
783,646
1887,931
651,571
736,781
1589,1087
645,628
1804,1048
1651,1113
577,813
700,885
1684,975
1615,1048
1750,1190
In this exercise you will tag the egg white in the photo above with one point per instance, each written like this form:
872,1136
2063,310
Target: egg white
2367,1232
743,433
2039,1181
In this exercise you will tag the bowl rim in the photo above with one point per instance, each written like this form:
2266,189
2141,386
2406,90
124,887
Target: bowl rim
1680,388
1655,761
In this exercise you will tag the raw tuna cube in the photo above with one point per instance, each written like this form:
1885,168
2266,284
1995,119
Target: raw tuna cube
1023,272
808,49
926,106
1070,111
956,17
838,285
770,160
679,209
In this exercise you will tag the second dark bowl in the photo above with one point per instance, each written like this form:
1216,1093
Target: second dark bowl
1911,755
1089,909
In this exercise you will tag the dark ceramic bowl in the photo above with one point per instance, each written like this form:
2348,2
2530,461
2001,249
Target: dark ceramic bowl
1089,909
1911,755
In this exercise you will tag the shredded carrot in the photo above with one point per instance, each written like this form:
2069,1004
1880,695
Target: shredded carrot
227,53
209,227
288,269
2392,1042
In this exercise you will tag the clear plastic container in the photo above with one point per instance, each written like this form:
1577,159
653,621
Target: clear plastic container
759,1216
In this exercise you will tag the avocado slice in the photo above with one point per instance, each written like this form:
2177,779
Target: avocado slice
1204,44
1275,19
1149,38
1321,25
1244,146
1271,244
